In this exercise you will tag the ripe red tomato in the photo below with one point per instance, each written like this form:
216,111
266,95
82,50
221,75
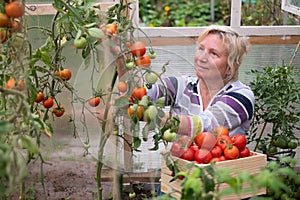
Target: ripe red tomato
223,141
14,9
65,74
139,92
239,141
94,101
216,151
143,61
205,140
203,156
188,154
58,110
4,34
138,49
231,152
245,153
39,97
48,103
221,130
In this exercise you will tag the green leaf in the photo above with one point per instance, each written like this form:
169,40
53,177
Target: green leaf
122,101
96,33
28,143
5,126
136,143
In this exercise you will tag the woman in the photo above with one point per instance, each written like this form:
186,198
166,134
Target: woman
214,96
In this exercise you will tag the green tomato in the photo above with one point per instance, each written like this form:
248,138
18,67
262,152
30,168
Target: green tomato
129,65
150,113
132,195
80,43
151,77
281,142
152,55
169,135
293,144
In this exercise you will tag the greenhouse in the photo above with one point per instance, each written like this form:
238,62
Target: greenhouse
149,99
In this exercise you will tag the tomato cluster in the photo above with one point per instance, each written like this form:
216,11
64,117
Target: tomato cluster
208,147
9,22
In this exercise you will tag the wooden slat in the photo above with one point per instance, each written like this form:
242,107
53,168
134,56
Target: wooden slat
48,9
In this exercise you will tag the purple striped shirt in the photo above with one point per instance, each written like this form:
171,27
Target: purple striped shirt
232,107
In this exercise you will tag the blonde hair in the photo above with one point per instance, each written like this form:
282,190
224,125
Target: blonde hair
237,46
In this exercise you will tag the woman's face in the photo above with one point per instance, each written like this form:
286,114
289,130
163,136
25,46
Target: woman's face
210,60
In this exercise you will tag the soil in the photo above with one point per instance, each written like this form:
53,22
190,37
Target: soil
74,180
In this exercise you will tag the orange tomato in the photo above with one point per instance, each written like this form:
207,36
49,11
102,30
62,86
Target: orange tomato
14,9
39,97
10,83
143,61
112,28
138,49
221,130
122,86
139,111
94,101
65,74
4,20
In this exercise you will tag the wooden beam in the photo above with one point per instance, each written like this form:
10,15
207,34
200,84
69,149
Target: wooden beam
185,41
48,9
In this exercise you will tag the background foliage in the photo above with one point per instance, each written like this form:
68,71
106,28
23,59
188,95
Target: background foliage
197,13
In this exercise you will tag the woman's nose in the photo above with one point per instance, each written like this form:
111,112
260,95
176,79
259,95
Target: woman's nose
202,55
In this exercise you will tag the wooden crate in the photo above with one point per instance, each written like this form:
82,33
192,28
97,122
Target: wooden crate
253,164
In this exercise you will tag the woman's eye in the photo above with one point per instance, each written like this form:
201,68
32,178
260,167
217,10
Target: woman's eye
214,54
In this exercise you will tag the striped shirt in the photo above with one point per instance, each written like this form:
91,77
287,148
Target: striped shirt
232,106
